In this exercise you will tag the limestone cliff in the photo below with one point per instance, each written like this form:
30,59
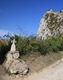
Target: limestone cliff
51,25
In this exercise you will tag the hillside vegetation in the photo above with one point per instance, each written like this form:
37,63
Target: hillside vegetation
36,53
25,45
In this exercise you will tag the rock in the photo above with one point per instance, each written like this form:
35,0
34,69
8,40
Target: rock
10,57
13,55
13,64
51,25
18,66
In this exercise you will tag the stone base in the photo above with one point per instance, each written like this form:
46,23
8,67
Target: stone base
15,65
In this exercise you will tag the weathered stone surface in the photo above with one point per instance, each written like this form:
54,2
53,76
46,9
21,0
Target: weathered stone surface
13,47
51,25
10,57
18,66
13,64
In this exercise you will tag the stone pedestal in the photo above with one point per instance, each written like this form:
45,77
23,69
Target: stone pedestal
15,65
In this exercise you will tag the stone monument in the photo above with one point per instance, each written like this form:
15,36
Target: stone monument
13,64
13,47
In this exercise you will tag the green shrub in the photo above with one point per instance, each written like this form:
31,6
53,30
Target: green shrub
3,50
43,47
1,46
53,45
50,45
27,44
22,45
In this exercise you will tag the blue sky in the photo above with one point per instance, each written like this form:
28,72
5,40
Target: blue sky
23,16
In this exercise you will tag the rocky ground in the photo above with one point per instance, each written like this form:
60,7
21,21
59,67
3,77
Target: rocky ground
41,68
2,72
52,72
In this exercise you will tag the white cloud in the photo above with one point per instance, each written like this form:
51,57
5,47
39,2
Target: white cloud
3,32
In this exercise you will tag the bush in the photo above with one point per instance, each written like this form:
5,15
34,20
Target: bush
22,45
50,45
28,44
43,47
3,50
1,46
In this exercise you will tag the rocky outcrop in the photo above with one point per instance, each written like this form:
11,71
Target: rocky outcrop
13,64
51,25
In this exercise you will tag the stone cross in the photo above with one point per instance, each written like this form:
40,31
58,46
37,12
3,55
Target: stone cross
13,47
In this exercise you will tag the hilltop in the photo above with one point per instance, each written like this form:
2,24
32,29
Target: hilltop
51,24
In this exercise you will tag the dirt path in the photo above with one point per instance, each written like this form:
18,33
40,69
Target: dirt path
2,72
52,72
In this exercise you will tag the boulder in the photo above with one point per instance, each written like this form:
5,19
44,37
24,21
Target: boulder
18,66
15,65
51,25
10,57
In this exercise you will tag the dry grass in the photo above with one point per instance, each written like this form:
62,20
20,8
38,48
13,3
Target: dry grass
37,62
4,42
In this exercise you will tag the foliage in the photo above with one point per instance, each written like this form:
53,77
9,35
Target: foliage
30,43
43,47
26,45
4,48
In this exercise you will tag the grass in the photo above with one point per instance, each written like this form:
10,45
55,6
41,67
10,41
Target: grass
39,54
37,62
